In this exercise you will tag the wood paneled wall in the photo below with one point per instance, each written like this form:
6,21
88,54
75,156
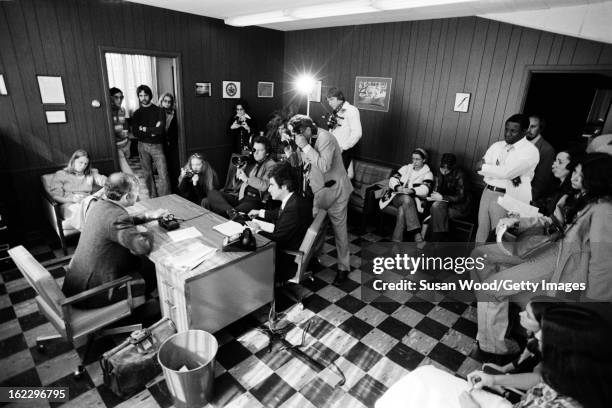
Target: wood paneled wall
429,62
62,37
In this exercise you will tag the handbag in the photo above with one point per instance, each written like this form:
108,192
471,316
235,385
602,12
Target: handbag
128,367
535,240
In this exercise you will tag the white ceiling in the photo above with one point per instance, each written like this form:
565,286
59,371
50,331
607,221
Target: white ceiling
591,19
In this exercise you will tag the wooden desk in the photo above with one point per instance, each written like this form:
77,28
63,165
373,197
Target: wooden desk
222,289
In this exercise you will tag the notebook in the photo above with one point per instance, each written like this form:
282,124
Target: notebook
229,228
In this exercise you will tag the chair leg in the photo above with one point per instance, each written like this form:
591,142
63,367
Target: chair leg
40,341
81,368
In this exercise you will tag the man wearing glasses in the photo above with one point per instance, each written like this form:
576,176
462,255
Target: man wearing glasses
120,129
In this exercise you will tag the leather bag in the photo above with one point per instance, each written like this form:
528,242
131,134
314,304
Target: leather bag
128,367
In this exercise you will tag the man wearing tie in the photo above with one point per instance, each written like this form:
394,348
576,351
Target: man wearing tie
326,178
291,220
508,167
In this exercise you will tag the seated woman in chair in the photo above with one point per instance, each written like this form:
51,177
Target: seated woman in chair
71,185
562,168
197,179
412,183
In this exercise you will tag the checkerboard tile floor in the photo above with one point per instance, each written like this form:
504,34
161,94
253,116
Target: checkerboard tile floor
372,344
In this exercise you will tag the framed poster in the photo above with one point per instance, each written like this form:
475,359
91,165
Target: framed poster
462,102
203,88
315,94
265,89
3,90
51,89
56,116
231,89
372,93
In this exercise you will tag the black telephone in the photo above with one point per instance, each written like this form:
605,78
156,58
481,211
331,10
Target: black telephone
245,241
168,222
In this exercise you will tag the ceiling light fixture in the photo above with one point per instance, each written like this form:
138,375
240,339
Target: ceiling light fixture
342,8
408,4
259,19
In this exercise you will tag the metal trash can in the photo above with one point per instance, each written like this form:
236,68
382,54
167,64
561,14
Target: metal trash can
188,362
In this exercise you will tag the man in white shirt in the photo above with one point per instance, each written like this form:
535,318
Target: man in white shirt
347,125
508,168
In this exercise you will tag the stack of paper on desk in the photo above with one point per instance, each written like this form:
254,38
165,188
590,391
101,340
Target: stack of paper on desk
229,228
191,255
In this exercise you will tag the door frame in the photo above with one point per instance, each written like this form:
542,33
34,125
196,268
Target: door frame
102,49
557,69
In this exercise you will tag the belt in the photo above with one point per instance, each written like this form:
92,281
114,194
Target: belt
496,189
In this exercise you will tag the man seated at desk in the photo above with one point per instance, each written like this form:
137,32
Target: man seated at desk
291,220
253,184
111,246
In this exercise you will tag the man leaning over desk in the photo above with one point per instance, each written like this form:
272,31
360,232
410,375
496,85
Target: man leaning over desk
111,245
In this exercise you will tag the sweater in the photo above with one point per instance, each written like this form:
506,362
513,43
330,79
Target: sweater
153,119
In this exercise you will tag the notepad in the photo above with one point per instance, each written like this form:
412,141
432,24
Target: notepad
229,228
182,234
513,205
191,255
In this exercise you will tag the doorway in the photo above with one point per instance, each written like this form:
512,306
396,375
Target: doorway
571,103
125,70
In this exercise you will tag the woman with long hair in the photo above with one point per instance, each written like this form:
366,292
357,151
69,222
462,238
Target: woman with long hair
564,164
197,179
78,180
241,126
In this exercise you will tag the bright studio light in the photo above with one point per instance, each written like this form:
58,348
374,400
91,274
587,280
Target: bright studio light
304,83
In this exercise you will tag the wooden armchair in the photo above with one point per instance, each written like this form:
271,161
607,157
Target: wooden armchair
53,213
73,324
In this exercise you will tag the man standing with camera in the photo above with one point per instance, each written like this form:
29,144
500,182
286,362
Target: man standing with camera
326,179
344,123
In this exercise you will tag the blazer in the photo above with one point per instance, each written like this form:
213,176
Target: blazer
290,226
543,177
107,249
325,159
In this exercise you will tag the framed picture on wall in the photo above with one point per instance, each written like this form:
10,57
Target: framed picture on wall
203,89
462,102
372,93
265,89
56,116
3,90
231,89
51,89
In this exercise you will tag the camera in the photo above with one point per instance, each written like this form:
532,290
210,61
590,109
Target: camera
331,120
189,173
240,161
288,139
239,120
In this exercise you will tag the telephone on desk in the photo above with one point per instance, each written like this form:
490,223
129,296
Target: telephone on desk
245,241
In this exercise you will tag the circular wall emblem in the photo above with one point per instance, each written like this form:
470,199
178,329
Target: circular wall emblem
230,89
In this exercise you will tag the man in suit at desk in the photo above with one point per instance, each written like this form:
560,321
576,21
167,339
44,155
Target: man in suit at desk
111,245
325,179
291,220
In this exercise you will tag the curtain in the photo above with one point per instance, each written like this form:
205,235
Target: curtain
127,72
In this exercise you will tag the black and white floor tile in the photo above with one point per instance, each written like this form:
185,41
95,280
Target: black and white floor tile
371,345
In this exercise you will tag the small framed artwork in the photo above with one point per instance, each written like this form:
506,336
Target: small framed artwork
462,102
203,89
56,116
231,89
51,89
265,89
3,90
373,93
315,93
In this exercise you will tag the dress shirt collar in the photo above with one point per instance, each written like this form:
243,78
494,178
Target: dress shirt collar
284,202
516,145
536,139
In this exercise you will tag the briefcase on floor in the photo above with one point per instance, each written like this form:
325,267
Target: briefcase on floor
128,367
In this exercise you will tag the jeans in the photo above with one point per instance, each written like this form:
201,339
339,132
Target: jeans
407,216
153,155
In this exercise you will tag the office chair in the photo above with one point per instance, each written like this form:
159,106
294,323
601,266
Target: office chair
73,324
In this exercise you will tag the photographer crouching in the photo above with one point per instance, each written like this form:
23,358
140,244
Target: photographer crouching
325,178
